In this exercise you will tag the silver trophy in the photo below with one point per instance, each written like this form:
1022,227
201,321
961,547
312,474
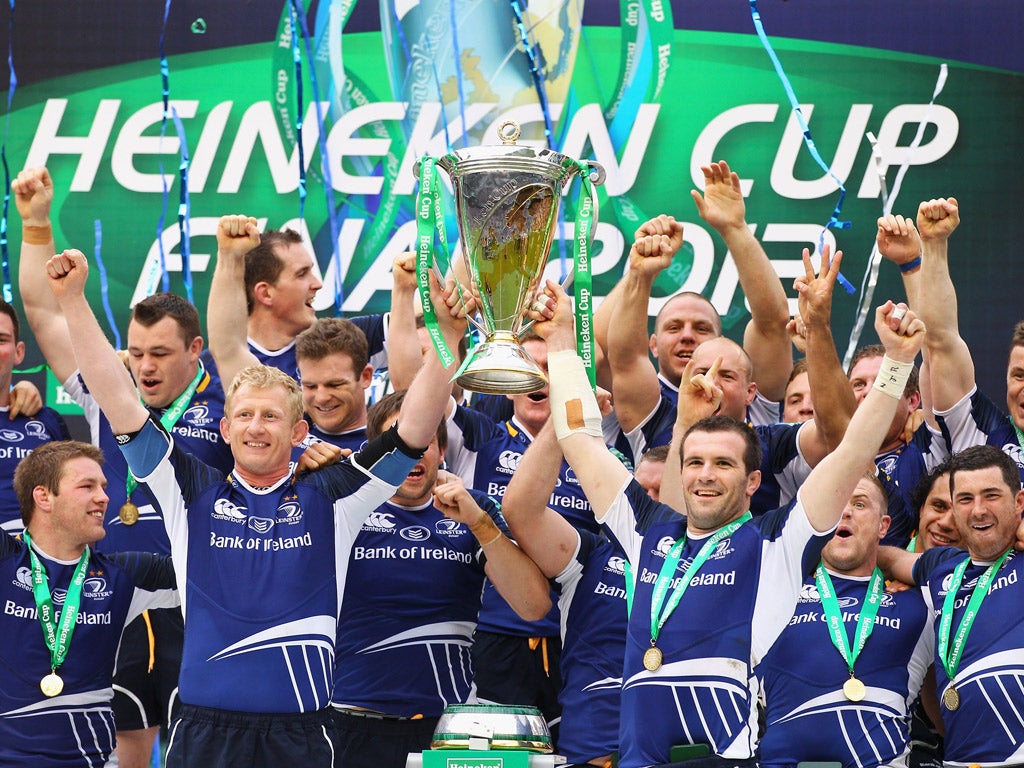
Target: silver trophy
507,199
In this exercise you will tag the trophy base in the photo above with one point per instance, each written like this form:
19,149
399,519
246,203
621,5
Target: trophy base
500,366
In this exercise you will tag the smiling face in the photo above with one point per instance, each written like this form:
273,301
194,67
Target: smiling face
77,509
987,511
716,485
937,523
291,295
12,351
261,430
162,364
684,322
333,394
854,546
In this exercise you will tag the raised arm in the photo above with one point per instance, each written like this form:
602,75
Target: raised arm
226,314
897,563
765,338
33,196
575,412
827,489
404,353
430,391
547,537
635,387
952,367
107,379
825,376
516,577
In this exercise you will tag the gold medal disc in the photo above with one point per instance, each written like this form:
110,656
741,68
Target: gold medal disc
51,685
129,513
951,698
854,690
652,659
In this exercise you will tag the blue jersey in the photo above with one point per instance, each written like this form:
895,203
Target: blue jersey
988,727
783,468
976,420
18,438
353,439
75,729
262,571
484,455
727,620
900,470
197,431
403,649
808,718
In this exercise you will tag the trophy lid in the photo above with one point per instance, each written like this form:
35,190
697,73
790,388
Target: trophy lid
509,156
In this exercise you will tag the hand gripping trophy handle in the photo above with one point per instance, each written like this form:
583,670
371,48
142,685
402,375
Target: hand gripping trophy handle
507,199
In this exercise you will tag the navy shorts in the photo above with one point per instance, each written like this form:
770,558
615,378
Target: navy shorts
142,697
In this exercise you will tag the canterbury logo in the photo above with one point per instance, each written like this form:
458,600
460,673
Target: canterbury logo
380,520
510,460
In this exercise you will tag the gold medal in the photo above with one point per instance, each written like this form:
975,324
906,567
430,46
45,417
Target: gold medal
854,689
951,698
652,659
51,685
129,513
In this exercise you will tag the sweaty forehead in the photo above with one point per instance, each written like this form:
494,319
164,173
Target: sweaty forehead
164,332
732,354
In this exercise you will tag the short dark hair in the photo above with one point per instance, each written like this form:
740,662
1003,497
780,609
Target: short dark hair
799,366
388,406
919,494
1017,340
330,336
263,264
11,312
152,309
658,453
983,457
45,467
751,455
877,350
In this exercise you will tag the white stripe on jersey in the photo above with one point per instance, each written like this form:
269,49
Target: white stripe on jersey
449,632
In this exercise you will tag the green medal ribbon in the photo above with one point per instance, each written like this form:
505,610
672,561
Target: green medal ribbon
834,616
950,656
662,609
57,635
169,419
583,283
429,219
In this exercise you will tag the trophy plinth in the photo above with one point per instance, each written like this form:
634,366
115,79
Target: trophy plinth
507,199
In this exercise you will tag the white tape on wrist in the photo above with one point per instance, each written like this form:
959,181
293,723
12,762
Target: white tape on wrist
892,377
573,405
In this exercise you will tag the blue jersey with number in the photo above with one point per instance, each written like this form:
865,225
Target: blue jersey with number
735,607
484,455
988,726
404,649
808,718
75,729
262,571
18,438
197,431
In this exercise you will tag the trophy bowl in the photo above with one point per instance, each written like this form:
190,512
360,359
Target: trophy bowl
507,199
505,727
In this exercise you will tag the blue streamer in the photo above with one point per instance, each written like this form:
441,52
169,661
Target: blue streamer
5,258
325,165
457,53
184,206
299,108
165,81
833,220
534,55
104,283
